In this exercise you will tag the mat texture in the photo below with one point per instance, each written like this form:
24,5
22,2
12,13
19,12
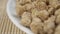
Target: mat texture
6,26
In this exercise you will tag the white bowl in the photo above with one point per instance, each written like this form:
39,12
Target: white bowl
12,15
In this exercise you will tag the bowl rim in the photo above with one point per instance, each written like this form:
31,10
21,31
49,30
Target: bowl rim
10,7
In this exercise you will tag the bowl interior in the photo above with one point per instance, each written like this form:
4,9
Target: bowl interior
11,11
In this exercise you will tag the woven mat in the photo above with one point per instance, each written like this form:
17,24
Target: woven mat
6,26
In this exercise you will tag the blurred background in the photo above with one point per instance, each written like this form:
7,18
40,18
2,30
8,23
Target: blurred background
6,26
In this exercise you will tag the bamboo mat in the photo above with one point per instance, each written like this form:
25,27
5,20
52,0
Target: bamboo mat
6,26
